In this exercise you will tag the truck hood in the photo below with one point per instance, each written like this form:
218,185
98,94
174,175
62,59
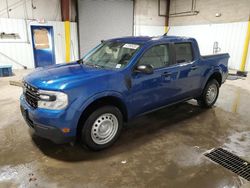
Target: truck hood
61,75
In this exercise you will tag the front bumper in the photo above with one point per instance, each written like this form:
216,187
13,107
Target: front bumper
41,125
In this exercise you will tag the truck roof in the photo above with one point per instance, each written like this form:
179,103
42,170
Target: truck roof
147,39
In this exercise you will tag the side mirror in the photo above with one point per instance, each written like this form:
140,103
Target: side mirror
147,69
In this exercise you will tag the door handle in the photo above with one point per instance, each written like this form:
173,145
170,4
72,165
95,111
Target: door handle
166,74
194,67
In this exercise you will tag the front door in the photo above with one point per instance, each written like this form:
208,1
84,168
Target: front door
43,45
150,91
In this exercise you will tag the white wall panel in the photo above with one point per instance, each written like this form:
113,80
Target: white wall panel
21,9
248,59
21,50
13,26
146,30
59,40
74,41
230,36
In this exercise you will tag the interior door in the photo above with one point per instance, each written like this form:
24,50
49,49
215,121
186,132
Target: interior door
43,45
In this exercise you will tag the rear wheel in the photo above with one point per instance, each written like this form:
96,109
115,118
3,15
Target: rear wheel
209,95
102,128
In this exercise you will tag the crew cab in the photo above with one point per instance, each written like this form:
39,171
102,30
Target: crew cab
120,79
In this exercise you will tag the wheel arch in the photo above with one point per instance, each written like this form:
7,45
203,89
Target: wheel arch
217,76
99,102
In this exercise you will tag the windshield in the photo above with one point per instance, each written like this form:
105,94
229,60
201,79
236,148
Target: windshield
114,55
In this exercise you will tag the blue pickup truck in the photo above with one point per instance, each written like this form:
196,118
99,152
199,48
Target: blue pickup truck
90,99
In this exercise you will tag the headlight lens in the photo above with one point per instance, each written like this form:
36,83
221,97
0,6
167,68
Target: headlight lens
52,100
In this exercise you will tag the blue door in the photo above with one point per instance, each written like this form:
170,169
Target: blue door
43,45
150,91
189,70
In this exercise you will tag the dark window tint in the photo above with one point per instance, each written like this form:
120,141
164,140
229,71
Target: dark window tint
157,56
183,52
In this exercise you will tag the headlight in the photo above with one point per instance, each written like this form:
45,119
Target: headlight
52,100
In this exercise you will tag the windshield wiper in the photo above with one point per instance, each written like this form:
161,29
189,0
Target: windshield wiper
92,65
89,64
100,66
80,61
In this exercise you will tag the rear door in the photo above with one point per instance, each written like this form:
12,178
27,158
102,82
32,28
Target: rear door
186,71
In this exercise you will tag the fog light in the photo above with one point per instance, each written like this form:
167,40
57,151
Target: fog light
66,130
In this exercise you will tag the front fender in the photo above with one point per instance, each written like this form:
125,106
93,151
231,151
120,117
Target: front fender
101,95
95,97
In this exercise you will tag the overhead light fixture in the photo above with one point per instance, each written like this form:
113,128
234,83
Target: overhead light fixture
218,15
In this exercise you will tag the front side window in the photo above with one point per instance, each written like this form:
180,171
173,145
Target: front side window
113,55
157,56
183,52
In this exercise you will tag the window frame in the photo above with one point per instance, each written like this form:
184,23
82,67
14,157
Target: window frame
170,50
192,51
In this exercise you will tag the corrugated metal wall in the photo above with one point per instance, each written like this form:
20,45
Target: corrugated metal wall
230,36
102,20
21,51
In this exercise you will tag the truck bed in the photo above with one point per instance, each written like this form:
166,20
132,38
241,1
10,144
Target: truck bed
222,55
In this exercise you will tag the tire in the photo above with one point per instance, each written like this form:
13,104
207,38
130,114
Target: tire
102,128
209,94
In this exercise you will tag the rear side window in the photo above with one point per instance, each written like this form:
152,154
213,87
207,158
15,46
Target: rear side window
157,56
184,52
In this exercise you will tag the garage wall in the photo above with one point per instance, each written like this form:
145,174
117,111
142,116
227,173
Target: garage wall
21,51
230,37
146,12
103,19
147,22
31,9
230,10
34,9
229,29
248,60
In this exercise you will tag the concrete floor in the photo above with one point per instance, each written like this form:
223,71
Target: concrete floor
163,149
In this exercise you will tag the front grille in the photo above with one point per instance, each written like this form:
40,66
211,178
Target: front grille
31,94
231,162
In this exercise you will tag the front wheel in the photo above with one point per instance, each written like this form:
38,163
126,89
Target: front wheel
102,128
209,95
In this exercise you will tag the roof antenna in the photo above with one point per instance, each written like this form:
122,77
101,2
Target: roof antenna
165,34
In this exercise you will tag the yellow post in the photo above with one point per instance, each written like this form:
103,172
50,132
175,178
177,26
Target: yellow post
165,29
67,40
245,50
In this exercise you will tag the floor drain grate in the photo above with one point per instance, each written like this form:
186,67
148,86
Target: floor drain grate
230,161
